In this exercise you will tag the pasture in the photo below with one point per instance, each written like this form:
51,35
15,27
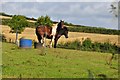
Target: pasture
57,63
30,33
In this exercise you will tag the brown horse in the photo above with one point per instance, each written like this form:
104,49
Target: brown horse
43,32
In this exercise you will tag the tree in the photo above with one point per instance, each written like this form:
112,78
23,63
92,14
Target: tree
115,8
17,24
45,21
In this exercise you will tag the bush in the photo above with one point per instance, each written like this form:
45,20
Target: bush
106,47
45,21
5,21
71,45
87,45
96,47
74,45
31,24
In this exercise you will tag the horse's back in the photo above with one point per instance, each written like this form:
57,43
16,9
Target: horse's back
44,29
40,29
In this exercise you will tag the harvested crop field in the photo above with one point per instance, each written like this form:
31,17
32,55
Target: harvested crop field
30,33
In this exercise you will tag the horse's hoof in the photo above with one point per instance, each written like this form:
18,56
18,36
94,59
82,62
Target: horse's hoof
50,46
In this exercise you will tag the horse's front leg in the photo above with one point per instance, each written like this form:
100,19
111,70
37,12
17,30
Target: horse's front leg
50,44
52,41
55,41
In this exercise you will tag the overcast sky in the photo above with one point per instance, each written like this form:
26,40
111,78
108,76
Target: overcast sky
94,14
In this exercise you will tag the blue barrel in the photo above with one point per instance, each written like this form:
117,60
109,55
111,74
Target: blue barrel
25,43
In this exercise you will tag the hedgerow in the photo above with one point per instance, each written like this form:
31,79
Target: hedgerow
88,45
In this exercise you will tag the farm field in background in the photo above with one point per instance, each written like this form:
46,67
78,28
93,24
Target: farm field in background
57,63
30,33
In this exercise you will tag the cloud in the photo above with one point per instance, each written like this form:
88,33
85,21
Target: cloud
87,13
60,1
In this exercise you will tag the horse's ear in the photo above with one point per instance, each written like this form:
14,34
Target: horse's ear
61,20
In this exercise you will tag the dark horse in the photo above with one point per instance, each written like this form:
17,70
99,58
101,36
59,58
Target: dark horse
43,32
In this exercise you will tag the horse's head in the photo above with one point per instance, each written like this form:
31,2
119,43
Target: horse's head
63,31
62,23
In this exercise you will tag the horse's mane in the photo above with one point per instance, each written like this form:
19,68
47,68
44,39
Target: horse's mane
44,26
59,25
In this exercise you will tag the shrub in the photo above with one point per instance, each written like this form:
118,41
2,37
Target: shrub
71,45
74,45
5,21
106,47
31,24
87,45
96,46
45,21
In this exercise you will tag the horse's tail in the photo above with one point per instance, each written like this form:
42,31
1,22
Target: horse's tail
36,31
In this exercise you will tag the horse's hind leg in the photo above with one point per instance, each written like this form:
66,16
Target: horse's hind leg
50,44
39,38
43,41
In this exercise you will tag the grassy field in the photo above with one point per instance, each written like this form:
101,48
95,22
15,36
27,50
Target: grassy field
57,63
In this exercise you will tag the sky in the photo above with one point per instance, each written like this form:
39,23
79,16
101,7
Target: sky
95,14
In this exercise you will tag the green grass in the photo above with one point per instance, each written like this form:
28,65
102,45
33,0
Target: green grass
57,63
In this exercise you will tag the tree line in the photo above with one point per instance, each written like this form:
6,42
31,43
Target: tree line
94,30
